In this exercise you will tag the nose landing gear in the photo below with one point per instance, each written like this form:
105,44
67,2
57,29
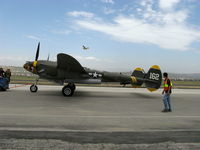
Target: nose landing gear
33,87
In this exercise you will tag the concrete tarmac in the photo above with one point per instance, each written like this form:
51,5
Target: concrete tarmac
99,115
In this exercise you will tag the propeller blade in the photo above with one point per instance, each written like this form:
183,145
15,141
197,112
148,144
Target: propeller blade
37,52
48,57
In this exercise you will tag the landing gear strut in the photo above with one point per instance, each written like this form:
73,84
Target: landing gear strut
33,87
68,90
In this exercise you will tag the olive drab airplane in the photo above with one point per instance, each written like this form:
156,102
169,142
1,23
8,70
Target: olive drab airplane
68,71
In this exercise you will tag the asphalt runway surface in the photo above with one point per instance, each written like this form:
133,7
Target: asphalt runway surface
99,115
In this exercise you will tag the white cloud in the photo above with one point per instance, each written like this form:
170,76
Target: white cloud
91,58
64,32
81,14
108,1
145,3
93,62
175,37
108,10
12,60
176,17
168,4
88,58
33,37
166,29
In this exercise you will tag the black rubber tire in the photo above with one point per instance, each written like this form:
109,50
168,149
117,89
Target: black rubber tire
67,90
33,88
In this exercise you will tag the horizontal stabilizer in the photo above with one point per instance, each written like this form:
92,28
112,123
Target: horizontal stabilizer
152,79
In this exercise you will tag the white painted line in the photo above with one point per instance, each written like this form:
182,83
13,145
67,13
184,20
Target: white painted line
164,116
54,129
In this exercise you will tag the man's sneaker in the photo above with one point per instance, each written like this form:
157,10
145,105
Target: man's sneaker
169,110
164,110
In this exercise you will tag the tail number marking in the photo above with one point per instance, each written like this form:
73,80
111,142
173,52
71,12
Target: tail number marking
154,76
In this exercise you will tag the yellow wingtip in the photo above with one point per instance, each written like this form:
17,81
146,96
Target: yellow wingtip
155,67
139,69
151,89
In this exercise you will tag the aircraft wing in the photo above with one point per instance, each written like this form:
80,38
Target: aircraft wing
68,63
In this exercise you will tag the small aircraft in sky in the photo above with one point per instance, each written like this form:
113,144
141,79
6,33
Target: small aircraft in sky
85,48
68,71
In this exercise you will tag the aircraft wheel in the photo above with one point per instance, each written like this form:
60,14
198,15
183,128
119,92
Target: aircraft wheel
33,88
68,91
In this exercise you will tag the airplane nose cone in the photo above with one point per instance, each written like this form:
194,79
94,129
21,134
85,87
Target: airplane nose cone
25,66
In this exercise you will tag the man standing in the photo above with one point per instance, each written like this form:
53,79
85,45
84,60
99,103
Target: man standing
166,93
1,72
8,75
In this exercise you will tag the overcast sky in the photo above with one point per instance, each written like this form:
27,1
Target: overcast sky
121,34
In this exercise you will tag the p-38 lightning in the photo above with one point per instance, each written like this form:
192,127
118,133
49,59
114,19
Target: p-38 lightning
68,71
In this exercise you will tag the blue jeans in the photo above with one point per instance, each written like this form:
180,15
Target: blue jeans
166,101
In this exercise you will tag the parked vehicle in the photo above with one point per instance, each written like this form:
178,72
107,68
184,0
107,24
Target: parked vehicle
3,84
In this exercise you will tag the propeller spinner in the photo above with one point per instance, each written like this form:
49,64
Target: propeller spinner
31,66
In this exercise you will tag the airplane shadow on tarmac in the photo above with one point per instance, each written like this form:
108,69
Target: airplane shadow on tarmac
90,94
144,95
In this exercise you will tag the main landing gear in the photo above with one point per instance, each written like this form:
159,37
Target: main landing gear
68,90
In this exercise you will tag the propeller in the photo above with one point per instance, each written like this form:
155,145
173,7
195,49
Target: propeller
48,57
37,52
32,65
37,55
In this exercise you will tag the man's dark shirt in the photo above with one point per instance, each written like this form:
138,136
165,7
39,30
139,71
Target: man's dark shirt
1,73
